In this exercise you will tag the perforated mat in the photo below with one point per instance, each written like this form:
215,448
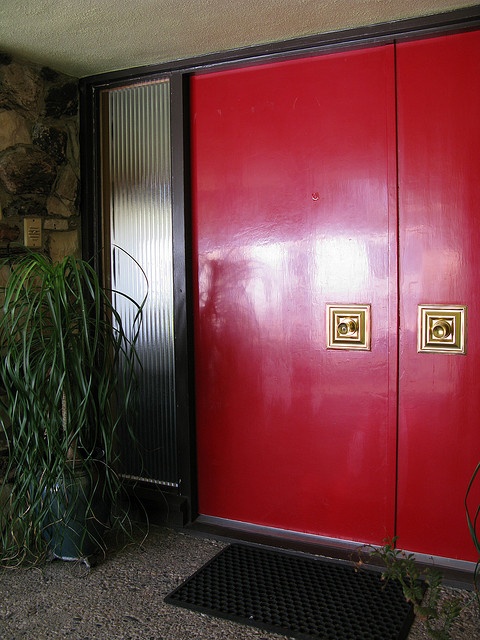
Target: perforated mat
299,596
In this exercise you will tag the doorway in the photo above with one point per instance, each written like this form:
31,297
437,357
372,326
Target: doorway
332,181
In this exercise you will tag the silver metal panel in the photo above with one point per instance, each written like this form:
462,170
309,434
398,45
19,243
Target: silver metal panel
139,220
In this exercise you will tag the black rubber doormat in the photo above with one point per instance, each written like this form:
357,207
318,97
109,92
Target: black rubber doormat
304,597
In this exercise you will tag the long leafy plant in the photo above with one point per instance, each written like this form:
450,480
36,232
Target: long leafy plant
472,510
67,369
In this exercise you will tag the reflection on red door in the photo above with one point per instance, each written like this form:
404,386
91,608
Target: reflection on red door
294,208
439,198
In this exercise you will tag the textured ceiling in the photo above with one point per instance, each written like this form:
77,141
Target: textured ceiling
87,37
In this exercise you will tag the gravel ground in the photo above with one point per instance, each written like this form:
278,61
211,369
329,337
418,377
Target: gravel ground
122,597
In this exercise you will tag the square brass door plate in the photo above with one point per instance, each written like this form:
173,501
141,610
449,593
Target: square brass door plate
441,329
348,326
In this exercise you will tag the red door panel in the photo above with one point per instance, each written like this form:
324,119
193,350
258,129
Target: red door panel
439,262
294,207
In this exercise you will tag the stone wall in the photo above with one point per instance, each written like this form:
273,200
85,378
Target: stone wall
39,156
39,168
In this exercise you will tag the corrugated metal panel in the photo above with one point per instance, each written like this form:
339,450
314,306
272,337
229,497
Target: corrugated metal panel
140,219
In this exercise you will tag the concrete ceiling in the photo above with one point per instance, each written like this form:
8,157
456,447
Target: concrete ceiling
87,37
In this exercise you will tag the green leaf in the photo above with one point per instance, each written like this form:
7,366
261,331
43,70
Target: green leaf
68,368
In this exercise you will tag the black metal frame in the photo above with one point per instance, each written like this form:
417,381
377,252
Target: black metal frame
179,72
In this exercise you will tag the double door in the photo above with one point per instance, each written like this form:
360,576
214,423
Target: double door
335,203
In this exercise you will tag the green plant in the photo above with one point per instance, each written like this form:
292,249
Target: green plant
472,522
67,368
421,587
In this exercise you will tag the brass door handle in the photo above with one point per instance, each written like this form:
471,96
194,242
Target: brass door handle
442,328
347,326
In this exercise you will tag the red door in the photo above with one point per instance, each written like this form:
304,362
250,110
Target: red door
294,208
439,207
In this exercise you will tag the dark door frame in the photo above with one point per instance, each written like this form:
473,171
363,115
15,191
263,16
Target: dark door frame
179,72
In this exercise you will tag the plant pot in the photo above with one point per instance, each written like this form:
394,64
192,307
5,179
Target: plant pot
78,514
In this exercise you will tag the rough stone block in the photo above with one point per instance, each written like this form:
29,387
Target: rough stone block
20,85
58,207
67,184
9,232
52,140
27,170
13,130
55,224
64,243
62,101
28,206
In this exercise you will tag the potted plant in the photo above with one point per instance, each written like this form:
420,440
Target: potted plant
67,370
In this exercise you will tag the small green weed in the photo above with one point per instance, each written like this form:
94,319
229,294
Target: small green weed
421,587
